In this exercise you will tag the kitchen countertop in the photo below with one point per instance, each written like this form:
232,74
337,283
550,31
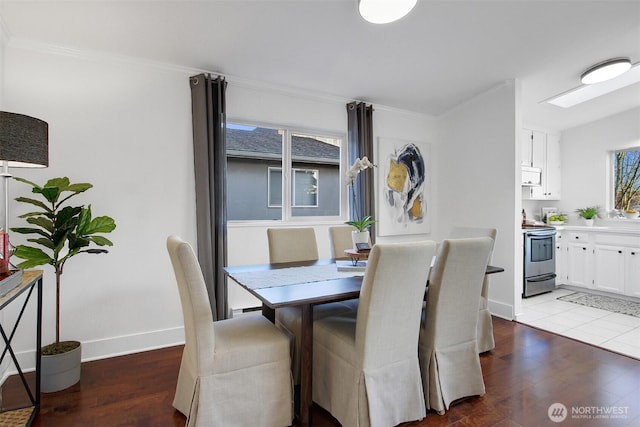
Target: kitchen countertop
598,228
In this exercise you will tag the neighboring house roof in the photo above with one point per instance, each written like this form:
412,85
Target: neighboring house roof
263,143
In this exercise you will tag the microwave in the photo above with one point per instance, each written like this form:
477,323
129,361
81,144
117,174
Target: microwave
531,177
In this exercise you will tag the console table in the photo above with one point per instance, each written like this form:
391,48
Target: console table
22,414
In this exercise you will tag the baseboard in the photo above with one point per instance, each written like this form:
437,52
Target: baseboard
502,310
109,347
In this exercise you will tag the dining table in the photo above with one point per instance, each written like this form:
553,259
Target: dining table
304,284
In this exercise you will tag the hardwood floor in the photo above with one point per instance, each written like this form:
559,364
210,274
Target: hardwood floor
528,371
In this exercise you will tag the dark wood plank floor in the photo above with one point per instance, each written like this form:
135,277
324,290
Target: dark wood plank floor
527,372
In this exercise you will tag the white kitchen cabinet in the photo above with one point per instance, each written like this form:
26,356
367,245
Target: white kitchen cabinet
544,154
632,268
608,261
561,259
578,265
609,271
527,147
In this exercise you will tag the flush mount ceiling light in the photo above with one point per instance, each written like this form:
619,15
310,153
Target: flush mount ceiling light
605,70
588,92
384,11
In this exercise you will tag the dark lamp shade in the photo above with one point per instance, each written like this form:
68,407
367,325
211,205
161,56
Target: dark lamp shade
24,141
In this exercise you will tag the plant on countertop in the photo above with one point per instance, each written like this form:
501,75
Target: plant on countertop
589,212
63,232
358,166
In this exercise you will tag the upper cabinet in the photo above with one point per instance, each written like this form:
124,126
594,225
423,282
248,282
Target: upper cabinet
542,150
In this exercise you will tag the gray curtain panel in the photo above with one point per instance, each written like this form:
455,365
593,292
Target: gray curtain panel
360,143
210,160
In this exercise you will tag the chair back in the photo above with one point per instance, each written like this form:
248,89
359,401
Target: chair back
292,244
196,311
454,291
463,232
340,237
391,297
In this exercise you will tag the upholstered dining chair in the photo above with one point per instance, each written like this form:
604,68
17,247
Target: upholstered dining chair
449,360
293,245
234,372
365,366
486,340
340,237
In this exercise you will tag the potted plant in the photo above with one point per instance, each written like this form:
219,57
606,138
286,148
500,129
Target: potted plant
361,233
588,214
631,213
62,232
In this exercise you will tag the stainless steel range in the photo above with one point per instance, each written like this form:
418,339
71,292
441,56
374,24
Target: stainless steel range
539,260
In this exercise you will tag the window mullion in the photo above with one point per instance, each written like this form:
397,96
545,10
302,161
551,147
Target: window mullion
286,176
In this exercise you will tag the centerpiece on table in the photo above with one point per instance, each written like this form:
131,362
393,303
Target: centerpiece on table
362,224
62,232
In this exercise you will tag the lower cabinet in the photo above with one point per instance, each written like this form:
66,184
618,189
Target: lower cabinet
632,267
579,265
609,274
604,261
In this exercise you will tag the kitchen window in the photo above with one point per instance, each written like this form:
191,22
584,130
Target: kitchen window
626,179
311,163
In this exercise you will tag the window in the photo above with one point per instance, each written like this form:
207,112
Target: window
626,179
259,157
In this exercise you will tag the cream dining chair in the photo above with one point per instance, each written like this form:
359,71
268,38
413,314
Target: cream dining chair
449,360
293,245
340,237
365,366
486,340
234,372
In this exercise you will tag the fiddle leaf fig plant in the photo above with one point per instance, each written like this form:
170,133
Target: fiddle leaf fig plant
61,232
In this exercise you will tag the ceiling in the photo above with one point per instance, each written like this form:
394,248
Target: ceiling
441,54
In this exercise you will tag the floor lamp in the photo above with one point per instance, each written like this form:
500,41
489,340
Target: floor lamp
24,143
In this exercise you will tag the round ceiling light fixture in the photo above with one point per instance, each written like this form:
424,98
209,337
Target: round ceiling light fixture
605,70
384,11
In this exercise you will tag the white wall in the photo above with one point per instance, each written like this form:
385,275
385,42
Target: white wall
586,167
478,184
125,126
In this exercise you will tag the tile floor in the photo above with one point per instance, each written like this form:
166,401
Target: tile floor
613,331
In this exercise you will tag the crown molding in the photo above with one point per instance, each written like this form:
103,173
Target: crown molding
21,43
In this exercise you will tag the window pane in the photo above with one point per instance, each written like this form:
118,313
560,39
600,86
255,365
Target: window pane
627,179
319,195
275,187
305,188
251,152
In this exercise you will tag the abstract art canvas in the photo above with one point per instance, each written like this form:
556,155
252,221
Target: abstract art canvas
403,177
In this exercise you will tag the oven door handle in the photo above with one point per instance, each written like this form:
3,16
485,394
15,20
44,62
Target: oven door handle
542,278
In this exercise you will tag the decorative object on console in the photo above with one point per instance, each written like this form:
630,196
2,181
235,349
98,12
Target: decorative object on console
631,213
60,227
24,143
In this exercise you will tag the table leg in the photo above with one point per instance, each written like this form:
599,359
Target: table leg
269,313
306,364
